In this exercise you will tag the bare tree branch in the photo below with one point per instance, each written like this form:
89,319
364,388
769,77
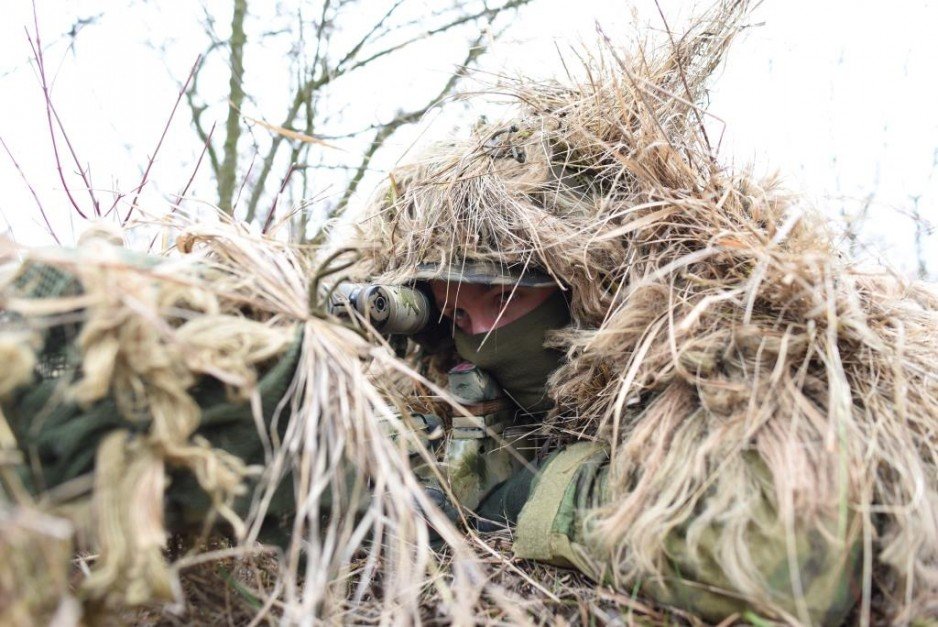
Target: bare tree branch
36,47
197,111
304,95
268,162
320,36
489,13
357,47
159,144
228,171
32,191
475,51
321,73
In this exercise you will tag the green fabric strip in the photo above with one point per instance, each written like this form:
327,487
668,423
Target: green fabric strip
543,534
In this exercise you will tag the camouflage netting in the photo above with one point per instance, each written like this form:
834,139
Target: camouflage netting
718,333
714,324
145,395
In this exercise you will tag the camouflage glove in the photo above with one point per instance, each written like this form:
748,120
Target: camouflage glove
503,506
553,528
498,510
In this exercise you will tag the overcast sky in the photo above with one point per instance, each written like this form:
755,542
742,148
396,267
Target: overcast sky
839,96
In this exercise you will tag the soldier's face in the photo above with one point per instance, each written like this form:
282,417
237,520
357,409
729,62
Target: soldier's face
477,308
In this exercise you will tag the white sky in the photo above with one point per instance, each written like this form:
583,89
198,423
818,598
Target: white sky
839,96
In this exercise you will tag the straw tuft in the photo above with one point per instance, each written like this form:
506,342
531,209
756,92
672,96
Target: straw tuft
718,333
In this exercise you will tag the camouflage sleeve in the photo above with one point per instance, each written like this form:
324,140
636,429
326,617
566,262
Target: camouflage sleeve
553,528
58,438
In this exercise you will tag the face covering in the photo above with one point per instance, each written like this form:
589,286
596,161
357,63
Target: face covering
515,356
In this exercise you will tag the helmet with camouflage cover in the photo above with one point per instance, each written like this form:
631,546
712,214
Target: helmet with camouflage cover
495,208
482,272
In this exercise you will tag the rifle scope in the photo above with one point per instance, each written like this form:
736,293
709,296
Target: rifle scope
390,309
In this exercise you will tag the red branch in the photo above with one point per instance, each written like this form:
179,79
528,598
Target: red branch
36,47
273,207
146,173
32,191
208,140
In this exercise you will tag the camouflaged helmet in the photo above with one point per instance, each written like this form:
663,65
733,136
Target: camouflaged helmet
483,272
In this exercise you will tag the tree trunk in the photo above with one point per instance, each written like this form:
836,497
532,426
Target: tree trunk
229,167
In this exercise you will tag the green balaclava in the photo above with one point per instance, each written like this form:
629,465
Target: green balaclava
515,355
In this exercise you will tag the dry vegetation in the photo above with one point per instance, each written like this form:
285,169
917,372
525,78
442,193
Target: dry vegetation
713,318
715,323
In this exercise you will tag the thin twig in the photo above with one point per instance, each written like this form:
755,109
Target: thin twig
84,173
197,111
205,147
244,181
32,191
680,66
36,47
358,46
273,207
185,190
490,13
146,173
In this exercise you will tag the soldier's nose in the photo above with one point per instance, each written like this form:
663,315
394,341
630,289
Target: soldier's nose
480,322
476,328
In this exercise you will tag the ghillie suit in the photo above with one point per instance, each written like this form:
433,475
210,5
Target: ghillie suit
144,395
766,407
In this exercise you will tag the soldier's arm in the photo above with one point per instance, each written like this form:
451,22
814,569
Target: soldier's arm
805,573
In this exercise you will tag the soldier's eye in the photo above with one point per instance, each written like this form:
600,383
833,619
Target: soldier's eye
460,315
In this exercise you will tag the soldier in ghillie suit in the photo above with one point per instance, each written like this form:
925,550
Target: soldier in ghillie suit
741,421
143,396
668,378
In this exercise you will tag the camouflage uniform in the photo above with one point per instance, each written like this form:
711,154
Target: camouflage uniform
806,575
554,527
489,463
59,437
